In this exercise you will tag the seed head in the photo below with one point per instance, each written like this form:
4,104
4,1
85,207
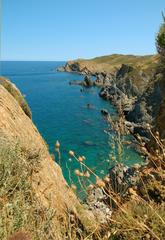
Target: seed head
157,133
132,191
144,149
80,159
157,151
148,126
81,174
71,153
100,183
107,179
87,174
139,137
57,145
77,172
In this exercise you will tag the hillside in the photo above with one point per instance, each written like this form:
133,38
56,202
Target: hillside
110,63
32,187
137,80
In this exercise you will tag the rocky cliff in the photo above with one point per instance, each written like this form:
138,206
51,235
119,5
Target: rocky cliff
131,82
50,188
108,64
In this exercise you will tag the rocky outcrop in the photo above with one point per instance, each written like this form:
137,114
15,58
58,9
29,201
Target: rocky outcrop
108,64
16,128
138,93
87,82
131,83
75,66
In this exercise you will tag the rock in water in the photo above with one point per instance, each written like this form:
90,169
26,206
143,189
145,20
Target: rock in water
87,81
105,112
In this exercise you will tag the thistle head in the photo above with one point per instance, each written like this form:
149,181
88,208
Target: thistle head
71,153
87,174
80,159
57,145
100,183
77,172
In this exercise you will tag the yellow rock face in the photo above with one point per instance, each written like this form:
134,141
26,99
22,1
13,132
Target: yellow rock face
48,182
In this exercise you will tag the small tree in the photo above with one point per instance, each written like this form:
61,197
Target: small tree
160,39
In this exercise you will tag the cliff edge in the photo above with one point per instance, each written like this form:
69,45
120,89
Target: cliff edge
17,131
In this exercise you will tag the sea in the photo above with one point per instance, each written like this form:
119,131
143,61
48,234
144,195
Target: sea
60,111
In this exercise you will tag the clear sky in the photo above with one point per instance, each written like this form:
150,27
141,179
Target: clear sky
69,29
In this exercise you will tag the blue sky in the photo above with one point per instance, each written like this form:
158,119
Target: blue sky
69,29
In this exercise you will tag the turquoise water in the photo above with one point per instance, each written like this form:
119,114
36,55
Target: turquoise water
60,113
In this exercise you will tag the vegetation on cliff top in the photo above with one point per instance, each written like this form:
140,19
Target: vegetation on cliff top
110,63
10,87
132,60
160,42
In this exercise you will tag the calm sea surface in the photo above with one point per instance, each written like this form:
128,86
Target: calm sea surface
60,113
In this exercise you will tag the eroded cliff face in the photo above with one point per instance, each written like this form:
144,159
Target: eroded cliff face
133,82
48,182
109,64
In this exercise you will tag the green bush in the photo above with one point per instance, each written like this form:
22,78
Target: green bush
160,39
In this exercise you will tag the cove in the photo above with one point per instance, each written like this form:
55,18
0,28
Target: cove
60,113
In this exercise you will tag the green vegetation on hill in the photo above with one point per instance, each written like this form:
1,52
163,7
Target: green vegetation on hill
19,206
125,59
115,60
112,63
160,42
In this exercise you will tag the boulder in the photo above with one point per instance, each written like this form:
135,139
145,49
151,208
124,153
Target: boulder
123,177
104,112
87,81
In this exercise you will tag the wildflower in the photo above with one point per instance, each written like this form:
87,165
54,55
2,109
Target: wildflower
71,153
80,159
87,174
100,183
57,145
77,172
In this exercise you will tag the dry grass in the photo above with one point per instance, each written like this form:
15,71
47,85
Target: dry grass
21,210
19,207
140,212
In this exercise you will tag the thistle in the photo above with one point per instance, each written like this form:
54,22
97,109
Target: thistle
71,153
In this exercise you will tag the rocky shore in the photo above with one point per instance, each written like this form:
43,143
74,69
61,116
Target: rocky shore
135,87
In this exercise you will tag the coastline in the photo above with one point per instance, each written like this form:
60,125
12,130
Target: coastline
129,88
